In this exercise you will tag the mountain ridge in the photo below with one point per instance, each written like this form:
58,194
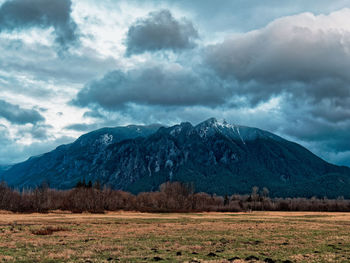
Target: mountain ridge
217,157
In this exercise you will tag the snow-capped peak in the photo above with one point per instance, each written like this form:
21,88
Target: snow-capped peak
209,127
214,123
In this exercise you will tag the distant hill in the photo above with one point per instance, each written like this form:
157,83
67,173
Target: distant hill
217,157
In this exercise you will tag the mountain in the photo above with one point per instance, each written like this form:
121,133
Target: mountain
63,167
216,157
4,168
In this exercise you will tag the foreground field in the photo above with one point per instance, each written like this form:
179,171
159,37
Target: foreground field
203,237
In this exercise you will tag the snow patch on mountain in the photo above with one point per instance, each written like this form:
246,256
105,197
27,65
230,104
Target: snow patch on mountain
106,139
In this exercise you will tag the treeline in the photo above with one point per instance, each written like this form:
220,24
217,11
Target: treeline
171,197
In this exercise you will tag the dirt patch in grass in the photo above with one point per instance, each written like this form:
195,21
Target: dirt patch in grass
49,230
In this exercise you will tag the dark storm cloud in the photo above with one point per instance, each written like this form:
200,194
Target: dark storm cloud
160,31
296,120
17,115
39,66
82,127
93,114
312,129
336,111
304,57
166,85
38,131
329,141
13,152
280,54
23,14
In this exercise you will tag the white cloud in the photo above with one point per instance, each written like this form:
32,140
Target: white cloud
302,48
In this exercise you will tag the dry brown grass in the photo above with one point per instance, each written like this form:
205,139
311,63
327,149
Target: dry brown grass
142,237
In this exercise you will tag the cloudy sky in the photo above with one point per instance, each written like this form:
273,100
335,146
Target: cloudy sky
68,67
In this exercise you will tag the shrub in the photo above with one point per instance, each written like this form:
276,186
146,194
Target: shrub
171,197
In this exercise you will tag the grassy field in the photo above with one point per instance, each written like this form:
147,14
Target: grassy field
202,237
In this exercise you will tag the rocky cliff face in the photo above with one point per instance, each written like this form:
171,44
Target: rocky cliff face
216,157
